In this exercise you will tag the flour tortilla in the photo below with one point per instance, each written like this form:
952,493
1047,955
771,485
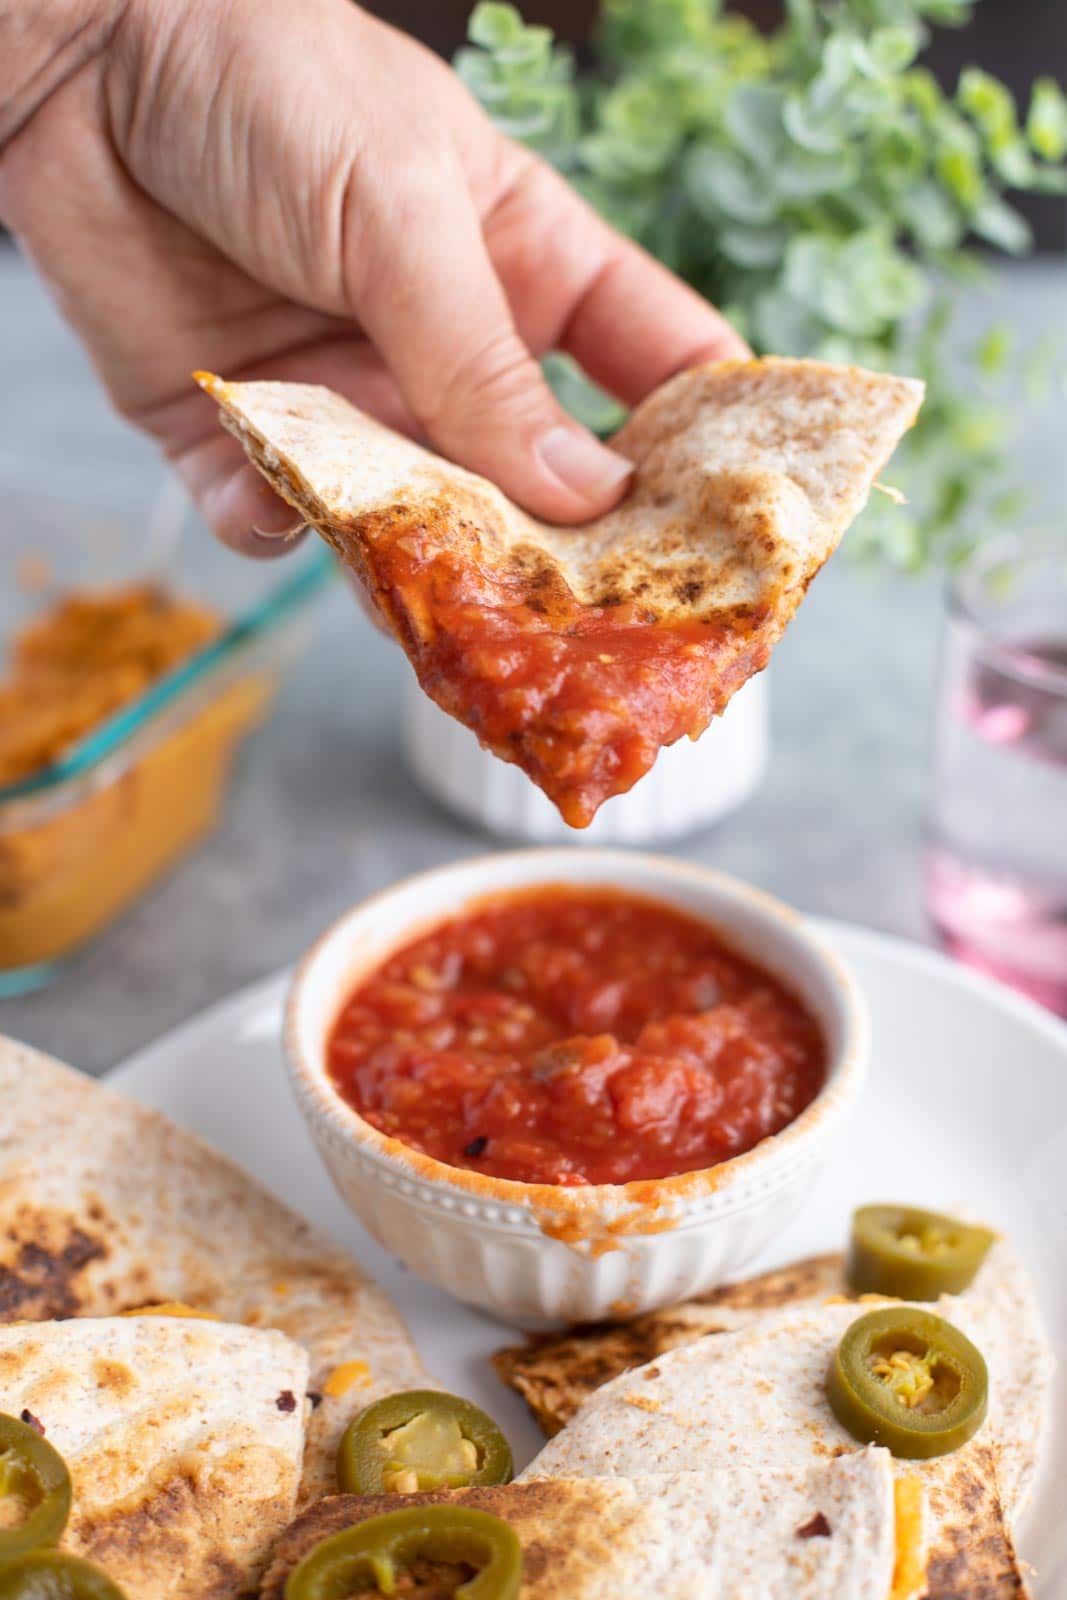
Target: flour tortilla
556,1374
747,476
106,1206
719,1535
183,1439
755,1399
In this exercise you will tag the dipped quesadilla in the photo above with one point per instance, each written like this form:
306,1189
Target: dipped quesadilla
756,1399
183,1440
822,1533
106,1206
578,653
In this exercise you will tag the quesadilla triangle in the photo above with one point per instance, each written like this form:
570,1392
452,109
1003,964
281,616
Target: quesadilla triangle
755,1399
824,1533
181,1438
556,1373
578,653
106,1207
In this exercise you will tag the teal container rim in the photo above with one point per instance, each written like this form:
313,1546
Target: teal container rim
282,601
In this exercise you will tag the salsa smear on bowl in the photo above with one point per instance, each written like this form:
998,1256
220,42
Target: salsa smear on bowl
575,1036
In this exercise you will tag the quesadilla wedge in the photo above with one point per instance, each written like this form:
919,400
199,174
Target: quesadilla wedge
183,1439
578,653
555,1374
755,1399
828,1531
106,1206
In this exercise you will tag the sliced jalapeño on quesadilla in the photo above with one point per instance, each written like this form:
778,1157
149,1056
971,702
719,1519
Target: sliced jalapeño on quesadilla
421,1440
910,1381
51,1575
35,1489
484,1551
909,1254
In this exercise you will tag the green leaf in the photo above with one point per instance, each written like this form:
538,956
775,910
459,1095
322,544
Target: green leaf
961,174
930,216
753,247
753,119
991,104
782,326
1046,125
993,351
1000,224
814,127
721,184
494,26
889,51
802,175
580,396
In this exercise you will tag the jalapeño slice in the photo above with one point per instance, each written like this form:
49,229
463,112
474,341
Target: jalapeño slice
376,1550
421,1440
50,1575
910,1254
908,1380
35,1480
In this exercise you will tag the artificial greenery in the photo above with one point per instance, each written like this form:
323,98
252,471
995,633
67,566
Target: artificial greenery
816,184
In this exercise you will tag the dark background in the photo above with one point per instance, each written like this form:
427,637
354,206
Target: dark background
1019,40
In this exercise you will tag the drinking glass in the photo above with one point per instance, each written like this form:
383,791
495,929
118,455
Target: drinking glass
996,849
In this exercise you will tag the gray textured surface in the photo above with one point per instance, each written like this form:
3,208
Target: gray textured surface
322,812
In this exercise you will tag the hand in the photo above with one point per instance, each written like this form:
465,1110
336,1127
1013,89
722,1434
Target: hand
291,191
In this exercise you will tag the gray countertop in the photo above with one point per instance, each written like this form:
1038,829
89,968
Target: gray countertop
322,811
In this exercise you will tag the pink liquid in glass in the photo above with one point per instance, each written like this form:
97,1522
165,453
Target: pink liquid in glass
996,863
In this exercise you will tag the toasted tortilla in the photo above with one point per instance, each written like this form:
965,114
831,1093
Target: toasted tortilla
555,1374
183,1439
707,1536
106,1206
578,653
755,1399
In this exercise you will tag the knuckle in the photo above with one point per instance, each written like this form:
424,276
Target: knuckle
496,380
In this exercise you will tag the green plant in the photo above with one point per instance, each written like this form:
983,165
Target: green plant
818,185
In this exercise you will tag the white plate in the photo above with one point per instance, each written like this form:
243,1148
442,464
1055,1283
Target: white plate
966,1106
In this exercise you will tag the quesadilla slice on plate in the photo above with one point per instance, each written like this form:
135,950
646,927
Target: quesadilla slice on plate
556,1373
819,1534
755,1399
107,1207
579,652
183,1439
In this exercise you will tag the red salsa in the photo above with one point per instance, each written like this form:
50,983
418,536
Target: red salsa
575,1036
581,697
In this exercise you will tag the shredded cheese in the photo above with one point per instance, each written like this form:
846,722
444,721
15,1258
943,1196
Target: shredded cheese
345,1377
909,1568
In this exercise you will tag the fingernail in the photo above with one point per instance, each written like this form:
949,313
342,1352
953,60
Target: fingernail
273,534
274,517
581,462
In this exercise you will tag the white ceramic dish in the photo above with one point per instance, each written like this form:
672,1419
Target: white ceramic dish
692,785
966,1105
542,1254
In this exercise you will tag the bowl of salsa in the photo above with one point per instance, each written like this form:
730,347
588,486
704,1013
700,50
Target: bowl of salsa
572,1084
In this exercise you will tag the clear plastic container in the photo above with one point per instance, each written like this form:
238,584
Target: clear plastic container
83,838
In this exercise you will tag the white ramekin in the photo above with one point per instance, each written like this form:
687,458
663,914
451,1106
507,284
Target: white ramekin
538,1254
692,785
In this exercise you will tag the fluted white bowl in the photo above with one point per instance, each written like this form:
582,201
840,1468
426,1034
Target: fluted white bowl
539,1254
693,784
